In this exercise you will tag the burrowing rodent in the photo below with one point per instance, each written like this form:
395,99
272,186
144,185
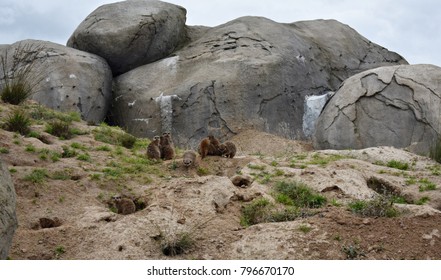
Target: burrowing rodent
167,147
189,158
228,149
242,181
124,205
154,149
209,147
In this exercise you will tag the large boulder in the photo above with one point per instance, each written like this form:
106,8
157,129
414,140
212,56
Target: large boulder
8,218
65,79
129,34
396,106
250,73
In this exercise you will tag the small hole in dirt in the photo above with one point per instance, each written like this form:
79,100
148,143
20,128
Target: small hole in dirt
382,187
170,250
49,223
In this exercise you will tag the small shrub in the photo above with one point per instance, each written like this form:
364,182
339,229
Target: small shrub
37,176
382,206
127,140
18,121
422,200
305,228
59,128
68,152
84,157
256,212
398,164
300,194
426,185
18,80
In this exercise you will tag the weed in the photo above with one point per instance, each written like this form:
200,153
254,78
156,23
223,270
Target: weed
95,176
398,164
84,157
279,172
304,228
353,252
104,148
59,250
61,199
201,171
381,206
68,152
61,175
37,176
59,128
79,146
423,200
256,167
300,194
30,148
114,135
255,212
19,81
274,163
4,150
18,121
426,185
12,170
283,215
318,159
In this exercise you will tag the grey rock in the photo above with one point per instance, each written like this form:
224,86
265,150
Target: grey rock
250,73
397,106
8,218
68,79
129,34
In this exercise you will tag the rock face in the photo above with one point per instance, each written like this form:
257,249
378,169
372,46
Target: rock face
250,73
396,106
68,79
129,34
8,219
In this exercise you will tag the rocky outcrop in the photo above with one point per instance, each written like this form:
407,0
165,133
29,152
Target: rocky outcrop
68,79
8,218
129,34
396,106
250,73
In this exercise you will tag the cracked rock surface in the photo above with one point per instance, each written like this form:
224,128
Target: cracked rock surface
67,79
249,73
397,106
129,34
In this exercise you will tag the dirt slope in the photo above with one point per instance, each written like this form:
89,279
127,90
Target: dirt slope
201,209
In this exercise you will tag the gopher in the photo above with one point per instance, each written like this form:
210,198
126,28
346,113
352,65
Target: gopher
228,149
167,147
209,147
154,149
189,158
125,206
242,181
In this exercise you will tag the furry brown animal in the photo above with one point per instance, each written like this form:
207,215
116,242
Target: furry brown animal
125,206
167,147
154,149
242,181
209,147
189,158
228,149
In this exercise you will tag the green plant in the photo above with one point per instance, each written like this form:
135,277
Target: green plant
255,212
68,152
37,176
59,128
84,157
256,167
435,151
59,250
104,148
201,171
353,252
398,164
19,81
30,148
323,160
114,135
18,121
426,185
422,200
381,206
4,150
177,245
300,194
305,228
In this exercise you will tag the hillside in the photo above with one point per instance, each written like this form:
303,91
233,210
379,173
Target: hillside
198,213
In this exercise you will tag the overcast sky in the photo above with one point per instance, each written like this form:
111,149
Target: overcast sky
410,28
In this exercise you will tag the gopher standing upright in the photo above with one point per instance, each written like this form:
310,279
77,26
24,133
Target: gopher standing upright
125,206
209,147
154,149
167,147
